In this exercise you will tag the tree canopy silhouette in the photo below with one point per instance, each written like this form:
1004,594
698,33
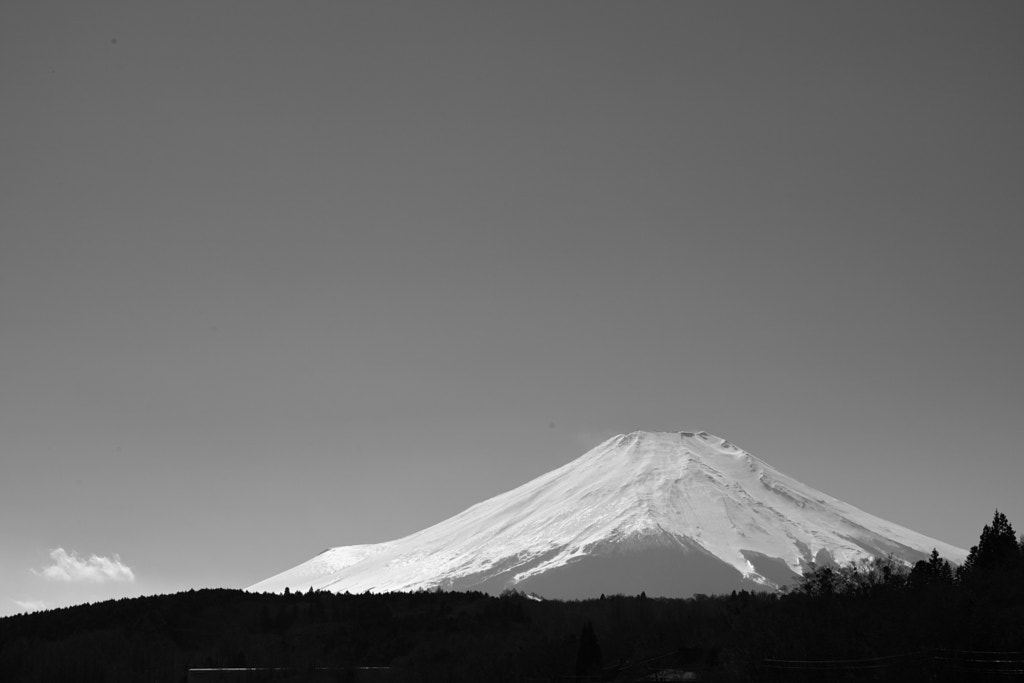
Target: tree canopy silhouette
878,611
996,550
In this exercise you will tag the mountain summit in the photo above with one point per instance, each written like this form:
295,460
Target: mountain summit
669,513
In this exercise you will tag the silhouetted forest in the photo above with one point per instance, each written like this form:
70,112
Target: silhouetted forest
878,620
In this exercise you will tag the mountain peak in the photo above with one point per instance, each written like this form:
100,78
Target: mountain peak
681,437
659,435
688,510
665,449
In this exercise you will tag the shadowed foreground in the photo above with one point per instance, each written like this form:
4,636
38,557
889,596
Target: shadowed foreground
874,621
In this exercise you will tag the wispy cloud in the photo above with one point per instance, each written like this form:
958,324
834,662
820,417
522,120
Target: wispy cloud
71,567
30,605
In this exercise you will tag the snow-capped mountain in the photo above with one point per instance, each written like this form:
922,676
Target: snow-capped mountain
668,513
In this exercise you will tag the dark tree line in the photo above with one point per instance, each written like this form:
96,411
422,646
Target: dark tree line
907,623
996,563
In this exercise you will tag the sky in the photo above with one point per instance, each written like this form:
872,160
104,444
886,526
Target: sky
276,277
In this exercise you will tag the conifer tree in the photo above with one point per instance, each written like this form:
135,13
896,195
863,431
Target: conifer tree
996,549
588,657
935,571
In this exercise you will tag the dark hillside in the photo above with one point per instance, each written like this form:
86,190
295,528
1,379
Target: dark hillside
876,621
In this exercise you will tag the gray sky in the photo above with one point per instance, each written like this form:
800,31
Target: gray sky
281,276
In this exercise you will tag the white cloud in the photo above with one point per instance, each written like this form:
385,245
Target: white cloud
97,569
30,605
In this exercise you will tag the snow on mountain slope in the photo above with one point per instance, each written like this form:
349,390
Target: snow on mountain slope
688,499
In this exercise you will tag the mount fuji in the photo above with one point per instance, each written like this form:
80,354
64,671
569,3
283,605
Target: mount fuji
668,513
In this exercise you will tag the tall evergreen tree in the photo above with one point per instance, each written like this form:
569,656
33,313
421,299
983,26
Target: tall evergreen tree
588,657
935,571
996,549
